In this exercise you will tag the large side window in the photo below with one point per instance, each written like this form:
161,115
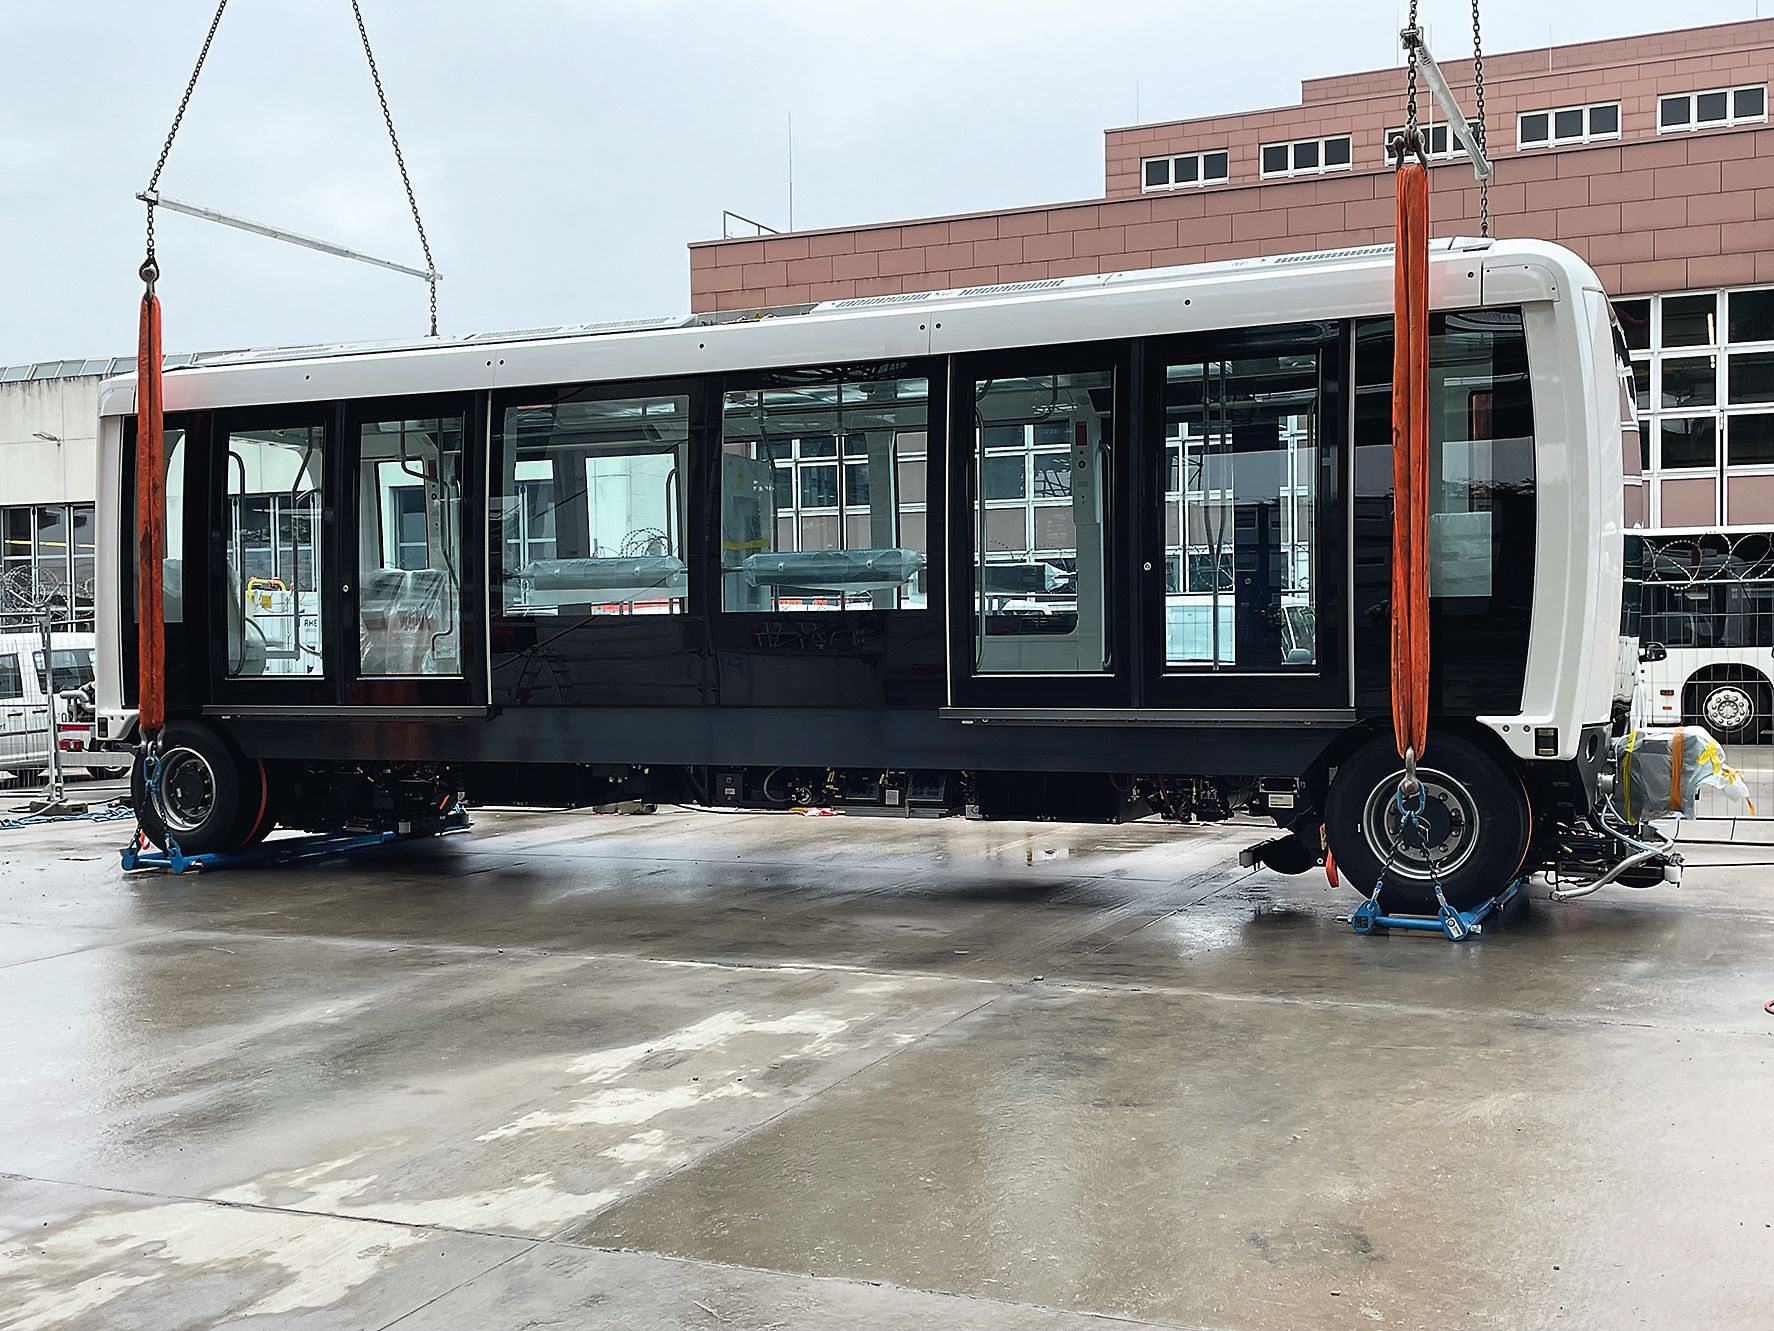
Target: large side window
409,592
1241,511
1481,505
1481,449
823,492
273,551
174,594
12,680
591,505
1040,571
173,580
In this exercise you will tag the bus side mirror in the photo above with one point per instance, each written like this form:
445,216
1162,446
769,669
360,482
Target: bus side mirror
1653,651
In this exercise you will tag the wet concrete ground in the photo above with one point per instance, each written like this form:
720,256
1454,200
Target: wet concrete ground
726,1071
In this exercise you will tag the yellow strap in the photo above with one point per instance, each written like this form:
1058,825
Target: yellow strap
1675,773
1626,777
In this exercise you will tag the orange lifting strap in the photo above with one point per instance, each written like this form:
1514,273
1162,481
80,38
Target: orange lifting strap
1410,463
150,523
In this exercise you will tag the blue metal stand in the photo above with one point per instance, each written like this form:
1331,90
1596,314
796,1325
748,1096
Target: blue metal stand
1453,924
174,860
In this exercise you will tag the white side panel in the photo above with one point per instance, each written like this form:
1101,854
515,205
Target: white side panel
1269,295
1234,295
1578,485
1521,281
111,540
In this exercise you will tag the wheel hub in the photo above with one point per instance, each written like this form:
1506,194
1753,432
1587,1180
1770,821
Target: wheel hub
1445,834
1728,708
187,789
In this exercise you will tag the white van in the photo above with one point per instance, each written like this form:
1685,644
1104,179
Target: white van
24,704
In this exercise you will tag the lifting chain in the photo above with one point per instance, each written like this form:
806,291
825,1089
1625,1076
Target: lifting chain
1478,131
1412,807
150,265
401,161
1410,99
1409,143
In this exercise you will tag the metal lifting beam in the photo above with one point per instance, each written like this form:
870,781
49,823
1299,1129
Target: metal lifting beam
159,200
1444,96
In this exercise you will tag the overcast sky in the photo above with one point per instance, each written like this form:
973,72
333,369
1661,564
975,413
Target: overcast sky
564,151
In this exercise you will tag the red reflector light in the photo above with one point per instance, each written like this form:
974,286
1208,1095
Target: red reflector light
1666,693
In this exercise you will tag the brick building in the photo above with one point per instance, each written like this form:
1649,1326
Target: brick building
1651,156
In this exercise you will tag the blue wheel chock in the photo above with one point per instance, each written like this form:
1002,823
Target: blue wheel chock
174,860
1454,925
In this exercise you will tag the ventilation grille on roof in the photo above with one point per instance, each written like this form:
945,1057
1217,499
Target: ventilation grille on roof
1359,252
864,302
1005,288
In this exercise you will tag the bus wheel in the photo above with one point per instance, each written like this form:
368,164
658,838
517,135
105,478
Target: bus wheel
1477,815
1734,710
208,798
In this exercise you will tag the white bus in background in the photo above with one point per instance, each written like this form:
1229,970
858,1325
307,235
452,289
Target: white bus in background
1709,603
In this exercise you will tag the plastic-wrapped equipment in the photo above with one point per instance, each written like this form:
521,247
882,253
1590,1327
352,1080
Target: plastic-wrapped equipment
837,570
1661,773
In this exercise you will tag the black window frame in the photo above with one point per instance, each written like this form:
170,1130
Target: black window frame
1319,143
1689,105
1547,118
933,372
1172,174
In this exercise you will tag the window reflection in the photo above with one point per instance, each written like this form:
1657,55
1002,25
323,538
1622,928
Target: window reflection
1039,587
591,506
823,493
273,551
409,590
1244,434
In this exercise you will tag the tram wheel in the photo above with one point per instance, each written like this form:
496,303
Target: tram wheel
208,797
1477,815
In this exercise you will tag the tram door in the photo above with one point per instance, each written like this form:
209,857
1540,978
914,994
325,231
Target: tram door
347,558
1245,534
1160,525
412,568
1038,460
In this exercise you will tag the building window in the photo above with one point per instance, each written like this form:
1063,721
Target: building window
1440,142
1703,363
1635,323
1568,124
1752,316
1686,442
47,558
1185,172
1306,157
1750,440
1712,109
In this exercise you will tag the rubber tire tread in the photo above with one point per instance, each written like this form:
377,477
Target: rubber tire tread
239,793
1505,825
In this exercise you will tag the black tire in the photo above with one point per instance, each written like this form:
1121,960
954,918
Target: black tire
1478,814
1734,709
209,798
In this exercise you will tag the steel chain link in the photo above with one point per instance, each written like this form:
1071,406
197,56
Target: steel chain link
1478,130
400,161
150,265
1410,102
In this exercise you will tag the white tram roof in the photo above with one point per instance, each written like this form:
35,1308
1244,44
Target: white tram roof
1340,283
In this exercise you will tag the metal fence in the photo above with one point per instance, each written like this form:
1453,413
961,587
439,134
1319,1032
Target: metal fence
1708,606
37,608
